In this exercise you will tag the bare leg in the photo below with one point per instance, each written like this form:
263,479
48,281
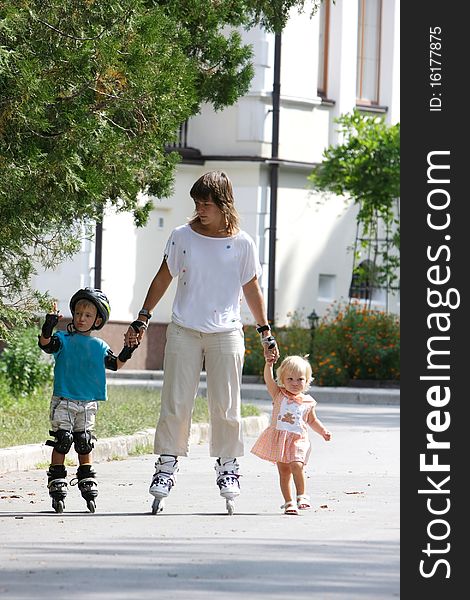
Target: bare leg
57,458
285,480
84,459
297,469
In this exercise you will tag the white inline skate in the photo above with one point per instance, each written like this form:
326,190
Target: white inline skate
227,480
163,480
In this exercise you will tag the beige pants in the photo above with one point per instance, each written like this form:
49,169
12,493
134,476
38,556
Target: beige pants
185,352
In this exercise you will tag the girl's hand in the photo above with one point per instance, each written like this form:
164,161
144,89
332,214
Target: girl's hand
326,435
270,349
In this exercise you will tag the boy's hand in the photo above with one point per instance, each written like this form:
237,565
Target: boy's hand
135,333
51,321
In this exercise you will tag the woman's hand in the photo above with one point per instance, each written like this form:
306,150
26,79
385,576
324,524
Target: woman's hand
270,349
135,333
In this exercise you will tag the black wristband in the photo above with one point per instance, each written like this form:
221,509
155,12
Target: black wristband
48,327
145,313
263,328
126,353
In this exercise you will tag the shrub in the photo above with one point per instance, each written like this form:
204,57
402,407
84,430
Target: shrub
356,342
291,339
22,364
351,342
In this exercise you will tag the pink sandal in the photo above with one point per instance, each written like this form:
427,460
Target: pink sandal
290,508
303,502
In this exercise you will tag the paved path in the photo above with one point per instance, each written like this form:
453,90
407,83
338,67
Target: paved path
347,547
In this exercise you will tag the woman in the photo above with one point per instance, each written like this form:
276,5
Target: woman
216,264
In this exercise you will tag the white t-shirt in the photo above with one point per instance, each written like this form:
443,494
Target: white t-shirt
211,273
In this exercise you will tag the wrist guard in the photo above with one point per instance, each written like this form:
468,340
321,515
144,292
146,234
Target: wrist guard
48,327
126,353
268,341
138,325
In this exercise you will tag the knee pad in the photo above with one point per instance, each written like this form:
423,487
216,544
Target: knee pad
83,442
63,441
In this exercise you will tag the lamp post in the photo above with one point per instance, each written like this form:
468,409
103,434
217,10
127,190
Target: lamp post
313,319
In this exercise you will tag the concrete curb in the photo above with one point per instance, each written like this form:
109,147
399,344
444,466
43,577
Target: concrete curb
253,390
23,458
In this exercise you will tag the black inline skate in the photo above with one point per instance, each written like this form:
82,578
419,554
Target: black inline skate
86,481
57,485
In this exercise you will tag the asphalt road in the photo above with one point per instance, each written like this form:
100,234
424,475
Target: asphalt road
346,547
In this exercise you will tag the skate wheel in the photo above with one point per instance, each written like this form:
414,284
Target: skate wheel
91,506
157,506
58,506
230,507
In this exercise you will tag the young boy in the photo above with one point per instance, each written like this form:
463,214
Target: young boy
80,367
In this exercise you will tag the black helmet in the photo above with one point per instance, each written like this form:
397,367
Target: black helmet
98,298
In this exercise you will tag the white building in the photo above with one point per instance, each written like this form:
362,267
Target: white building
346,56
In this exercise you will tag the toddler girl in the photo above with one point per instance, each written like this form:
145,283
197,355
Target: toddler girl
285,441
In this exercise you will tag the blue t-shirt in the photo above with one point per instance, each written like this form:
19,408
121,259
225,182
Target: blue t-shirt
79,371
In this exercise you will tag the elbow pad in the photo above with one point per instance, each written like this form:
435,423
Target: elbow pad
53,345
110,361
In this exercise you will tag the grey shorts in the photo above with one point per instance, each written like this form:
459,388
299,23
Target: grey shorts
72,415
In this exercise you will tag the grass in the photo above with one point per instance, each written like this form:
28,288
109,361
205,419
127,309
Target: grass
26,420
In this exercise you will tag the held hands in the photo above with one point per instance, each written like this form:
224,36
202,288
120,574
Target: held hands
135,333
270,349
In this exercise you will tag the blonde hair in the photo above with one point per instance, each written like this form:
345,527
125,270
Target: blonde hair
216,186
294,365
84,303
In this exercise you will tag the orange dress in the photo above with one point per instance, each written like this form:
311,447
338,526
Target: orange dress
286,438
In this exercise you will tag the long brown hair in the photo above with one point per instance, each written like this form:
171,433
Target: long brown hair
216,186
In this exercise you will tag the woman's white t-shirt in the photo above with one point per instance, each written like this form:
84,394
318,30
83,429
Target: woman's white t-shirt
211,272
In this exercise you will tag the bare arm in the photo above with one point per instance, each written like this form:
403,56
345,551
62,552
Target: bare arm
254,299
269,379
318,426
157,289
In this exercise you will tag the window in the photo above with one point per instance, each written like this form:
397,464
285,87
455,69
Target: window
323,38
363,285
368,51
326,287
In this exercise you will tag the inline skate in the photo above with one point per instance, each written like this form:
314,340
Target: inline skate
163,480
227,480
86,481
57,485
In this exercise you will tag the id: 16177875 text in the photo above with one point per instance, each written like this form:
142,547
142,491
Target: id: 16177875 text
435,68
